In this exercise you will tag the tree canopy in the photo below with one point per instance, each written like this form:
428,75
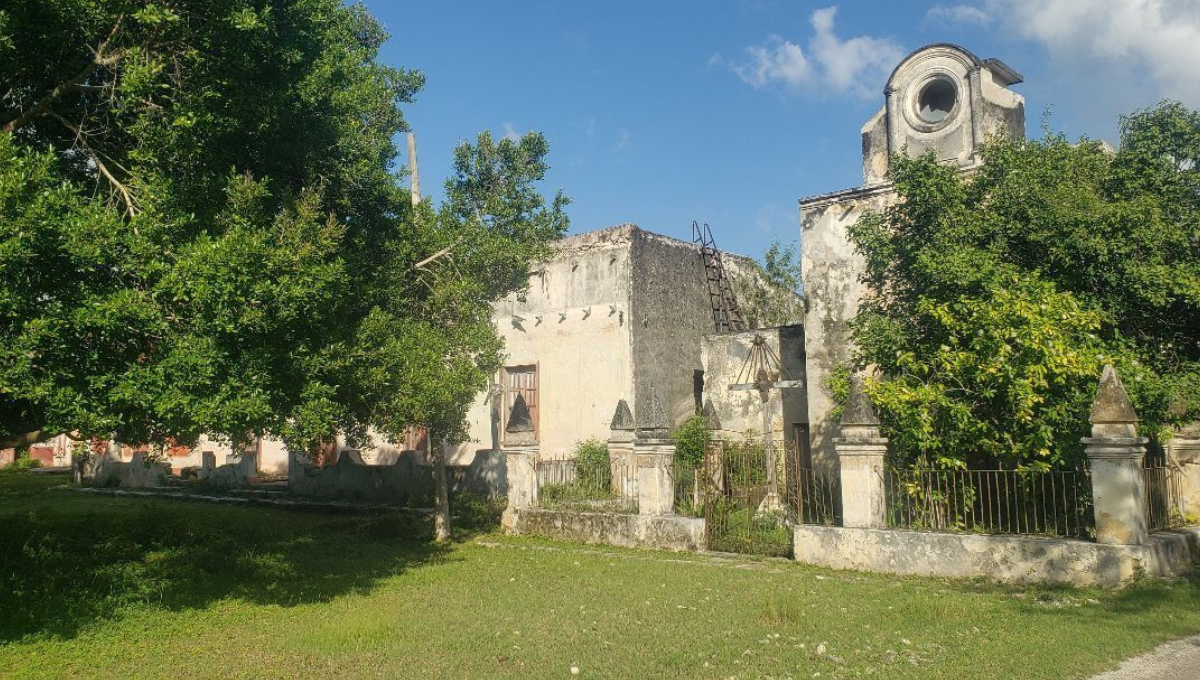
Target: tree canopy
203,228
999,293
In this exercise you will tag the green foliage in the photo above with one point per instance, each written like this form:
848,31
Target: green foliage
768,293
592,465
691,438
1004,291
203,230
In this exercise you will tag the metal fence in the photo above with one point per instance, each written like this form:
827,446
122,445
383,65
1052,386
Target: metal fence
597,486
1051,503
815,496
1161,481
689,488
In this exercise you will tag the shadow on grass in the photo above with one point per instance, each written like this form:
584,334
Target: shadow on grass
69,559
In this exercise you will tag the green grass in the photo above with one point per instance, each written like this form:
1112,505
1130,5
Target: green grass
103,587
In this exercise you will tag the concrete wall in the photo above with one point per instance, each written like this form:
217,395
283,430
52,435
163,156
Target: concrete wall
724,355
671,314
668,532
404,479
1184,450
584,360
1019,559
830,269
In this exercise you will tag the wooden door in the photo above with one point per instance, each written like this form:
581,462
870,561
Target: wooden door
523,381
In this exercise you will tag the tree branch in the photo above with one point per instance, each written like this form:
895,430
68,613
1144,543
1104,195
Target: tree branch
126,195
27,111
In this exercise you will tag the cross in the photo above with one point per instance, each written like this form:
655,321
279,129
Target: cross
765,365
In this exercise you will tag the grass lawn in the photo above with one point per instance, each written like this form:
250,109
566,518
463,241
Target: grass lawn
102,587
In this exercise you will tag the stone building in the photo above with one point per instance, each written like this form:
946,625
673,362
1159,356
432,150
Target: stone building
941,98
617,313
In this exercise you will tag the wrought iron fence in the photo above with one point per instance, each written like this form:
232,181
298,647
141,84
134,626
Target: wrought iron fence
815,496
1161,483
1053,503
689,487
597,486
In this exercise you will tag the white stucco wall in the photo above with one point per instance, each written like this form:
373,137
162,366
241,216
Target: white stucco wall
585,359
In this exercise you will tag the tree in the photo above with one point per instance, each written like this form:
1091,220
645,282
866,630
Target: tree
768,291
999,294
204,231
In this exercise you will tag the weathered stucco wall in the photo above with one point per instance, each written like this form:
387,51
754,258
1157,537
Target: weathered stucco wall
671,314
669,532
583,359
1018,559
404,479
830,269
724,356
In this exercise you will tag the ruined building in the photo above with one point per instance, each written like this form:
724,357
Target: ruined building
941,98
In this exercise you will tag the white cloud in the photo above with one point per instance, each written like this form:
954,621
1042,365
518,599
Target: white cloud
855,65
623,139
958,14
511,133
1159,38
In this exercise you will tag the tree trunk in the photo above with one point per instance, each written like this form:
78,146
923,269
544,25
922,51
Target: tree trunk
441,497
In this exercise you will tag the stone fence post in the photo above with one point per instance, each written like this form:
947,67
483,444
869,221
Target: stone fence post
655,454
1115,454
621,459
861,451
520,448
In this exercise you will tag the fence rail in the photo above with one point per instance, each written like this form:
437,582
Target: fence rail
816,497
600,486
1161,482
1054,503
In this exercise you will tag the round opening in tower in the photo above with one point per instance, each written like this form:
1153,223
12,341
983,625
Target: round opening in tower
936,100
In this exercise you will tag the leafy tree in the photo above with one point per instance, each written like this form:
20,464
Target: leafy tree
691,438
203,229
1001,293
768,291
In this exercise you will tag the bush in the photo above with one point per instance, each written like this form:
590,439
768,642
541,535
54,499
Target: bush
690,440
591,464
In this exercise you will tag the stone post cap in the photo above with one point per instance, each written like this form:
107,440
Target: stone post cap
859,410
622,418
1112,412
652,420
1112,403
519,430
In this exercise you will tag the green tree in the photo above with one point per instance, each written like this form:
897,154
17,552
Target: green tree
203,229
1000,293
768,292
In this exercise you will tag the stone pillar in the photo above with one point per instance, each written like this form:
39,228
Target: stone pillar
620,451
1115,454
861,452
655,454
520,448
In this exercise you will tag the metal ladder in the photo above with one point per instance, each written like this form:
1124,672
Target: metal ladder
727,316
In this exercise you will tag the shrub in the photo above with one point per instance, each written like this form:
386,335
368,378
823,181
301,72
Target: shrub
591,464
690,440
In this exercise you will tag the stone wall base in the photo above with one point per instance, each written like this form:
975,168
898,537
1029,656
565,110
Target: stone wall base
1015,559
656,532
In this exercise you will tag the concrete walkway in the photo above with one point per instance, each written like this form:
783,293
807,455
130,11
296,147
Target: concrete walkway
1176,660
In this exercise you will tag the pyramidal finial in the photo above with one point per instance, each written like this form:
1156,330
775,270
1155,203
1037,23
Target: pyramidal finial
711,419
519,429
1112,403
652,420
859,410
622,418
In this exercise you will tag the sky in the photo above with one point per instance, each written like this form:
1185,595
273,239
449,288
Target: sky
660,113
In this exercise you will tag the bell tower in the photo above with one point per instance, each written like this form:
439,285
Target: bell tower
945,99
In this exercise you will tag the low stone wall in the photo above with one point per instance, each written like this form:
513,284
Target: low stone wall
403,480
655,532
1016,559
138,473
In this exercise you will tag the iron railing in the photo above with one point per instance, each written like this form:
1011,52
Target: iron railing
1049,503
815,497
599,486
1161,482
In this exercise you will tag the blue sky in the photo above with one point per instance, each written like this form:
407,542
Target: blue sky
660,113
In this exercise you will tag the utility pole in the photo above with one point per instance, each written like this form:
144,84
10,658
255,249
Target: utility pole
415,183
